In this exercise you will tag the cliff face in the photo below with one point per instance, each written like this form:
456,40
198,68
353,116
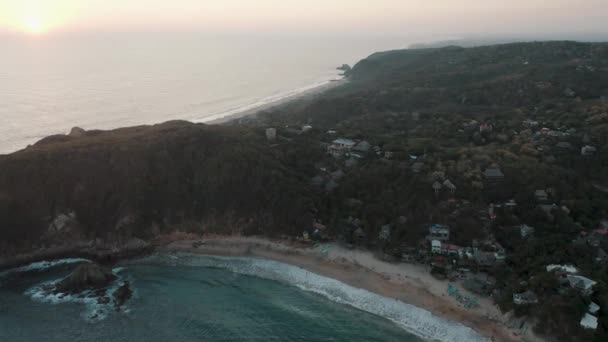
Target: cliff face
110,187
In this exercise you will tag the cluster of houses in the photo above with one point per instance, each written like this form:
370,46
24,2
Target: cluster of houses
482,254
569,277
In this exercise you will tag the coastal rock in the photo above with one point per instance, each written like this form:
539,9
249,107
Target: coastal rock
63,223
77,132
122,295
85,277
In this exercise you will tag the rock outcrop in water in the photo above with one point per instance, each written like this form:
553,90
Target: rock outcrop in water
122,295
86,277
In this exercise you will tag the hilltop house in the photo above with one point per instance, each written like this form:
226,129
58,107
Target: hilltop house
340,146
525,298
583,284
439,232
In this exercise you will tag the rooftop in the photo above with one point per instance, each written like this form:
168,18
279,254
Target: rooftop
493,172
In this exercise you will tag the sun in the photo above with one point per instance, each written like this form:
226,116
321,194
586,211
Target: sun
34,25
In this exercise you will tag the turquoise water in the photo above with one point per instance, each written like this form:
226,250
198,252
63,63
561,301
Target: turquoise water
185,303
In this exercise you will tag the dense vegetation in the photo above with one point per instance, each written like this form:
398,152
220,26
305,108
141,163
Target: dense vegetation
144,180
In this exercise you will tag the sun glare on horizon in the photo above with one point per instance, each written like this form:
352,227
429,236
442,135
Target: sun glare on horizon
33,25
37,17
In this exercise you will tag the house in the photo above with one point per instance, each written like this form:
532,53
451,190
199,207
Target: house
601,257
305,236
337,175
359,235
525,298
480,283
437,187
385,232
389,154
362,147
530,123
449,185
350,162
564,145
436,247
486,127
541,195
548,209
588,150
439,232
568,269
583,284
526,231
319,231
589,321
417,167
493,175
453,250
593,308
271,134
340,146
485,259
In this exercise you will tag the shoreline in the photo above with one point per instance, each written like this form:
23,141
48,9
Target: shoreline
409,283
307,93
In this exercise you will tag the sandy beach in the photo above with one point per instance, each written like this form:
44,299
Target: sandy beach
305,95
409,283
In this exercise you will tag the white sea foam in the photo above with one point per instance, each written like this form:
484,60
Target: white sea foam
413,319
43,266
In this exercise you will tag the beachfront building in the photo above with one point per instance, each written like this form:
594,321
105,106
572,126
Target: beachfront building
439,232
526,298
341,146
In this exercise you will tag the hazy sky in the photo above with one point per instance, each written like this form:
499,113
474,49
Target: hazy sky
415,17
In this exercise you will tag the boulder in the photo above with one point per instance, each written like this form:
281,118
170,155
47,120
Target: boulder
122,295
86,277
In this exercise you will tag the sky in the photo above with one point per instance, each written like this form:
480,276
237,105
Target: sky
415,17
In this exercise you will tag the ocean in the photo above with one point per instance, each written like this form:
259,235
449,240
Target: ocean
185,297
49,84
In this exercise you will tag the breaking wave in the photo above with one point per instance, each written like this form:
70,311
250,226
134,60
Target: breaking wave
411,318
43,266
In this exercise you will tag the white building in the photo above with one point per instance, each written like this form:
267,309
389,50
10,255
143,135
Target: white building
340,146
436,247
589,322
585,285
